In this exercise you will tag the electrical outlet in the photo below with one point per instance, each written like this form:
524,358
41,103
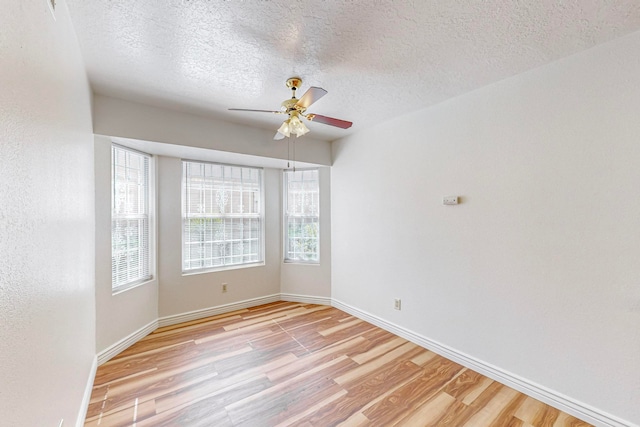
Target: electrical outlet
450,200
224,288
397,304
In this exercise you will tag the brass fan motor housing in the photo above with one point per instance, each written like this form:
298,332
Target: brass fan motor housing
289,105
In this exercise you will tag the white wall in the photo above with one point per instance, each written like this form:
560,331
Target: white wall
313,279
124,313
47,315
184,293
536,272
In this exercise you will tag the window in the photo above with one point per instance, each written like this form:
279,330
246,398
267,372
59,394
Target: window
130,236
222,223
301,216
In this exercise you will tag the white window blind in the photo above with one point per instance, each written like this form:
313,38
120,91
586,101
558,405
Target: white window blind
222,222
302,216
130,251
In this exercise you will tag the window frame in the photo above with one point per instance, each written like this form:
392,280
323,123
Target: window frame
149,202
286,216
260,216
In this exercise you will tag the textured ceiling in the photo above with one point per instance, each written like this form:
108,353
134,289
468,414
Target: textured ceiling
378,58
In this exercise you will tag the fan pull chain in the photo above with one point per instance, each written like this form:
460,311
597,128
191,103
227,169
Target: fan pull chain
289,159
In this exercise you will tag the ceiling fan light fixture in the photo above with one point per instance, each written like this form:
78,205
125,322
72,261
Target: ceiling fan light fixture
297,127
285,129
293,125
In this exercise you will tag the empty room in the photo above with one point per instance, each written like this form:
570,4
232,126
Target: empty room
320,213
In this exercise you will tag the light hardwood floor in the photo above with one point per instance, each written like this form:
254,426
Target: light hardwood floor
287,363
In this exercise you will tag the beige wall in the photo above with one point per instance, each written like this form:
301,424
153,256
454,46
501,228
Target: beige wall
47,309
119,315
313,279
178,135
171,293
536,271
184,293
119,118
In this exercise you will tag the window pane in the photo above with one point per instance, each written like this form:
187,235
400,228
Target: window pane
130,252
222,216
302,215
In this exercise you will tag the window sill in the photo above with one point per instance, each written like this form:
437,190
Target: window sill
220,269
125,288
296,262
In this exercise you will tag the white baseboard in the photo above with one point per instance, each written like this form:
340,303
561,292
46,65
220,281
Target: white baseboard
111,351
307,299
212,311
555,399
117,348
84,406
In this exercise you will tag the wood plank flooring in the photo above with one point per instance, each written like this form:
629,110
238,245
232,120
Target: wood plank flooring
291,364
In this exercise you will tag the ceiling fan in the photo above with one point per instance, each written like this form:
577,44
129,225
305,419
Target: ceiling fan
297,108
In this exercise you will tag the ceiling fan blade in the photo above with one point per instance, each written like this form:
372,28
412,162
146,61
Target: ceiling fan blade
343,124
311,96
278,136
256,111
